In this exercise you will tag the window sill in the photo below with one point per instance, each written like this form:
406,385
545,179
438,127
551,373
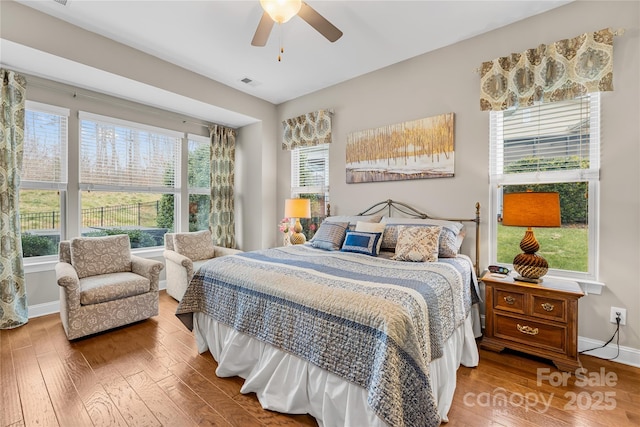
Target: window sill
589,287
48,263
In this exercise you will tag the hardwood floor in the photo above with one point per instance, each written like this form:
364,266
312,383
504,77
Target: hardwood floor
150,374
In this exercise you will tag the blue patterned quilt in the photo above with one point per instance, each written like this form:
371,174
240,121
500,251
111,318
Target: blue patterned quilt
362,318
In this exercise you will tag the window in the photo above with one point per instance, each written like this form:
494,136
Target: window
44,179
199,182
550,147
310,180
128,177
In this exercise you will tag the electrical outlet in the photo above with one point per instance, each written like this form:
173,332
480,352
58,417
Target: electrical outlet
623,315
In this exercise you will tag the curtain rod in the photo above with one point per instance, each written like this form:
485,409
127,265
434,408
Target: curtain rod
616,33
75,93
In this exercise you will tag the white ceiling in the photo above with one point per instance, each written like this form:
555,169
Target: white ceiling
213,38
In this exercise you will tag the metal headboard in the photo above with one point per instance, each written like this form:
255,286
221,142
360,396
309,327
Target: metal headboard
391,205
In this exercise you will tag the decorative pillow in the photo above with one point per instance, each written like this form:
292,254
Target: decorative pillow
330,235
361,242
418,244
372,227
196,245
353,219
91,256
451,235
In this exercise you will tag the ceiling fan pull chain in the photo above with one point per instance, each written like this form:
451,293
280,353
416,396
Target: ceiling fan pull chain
281,47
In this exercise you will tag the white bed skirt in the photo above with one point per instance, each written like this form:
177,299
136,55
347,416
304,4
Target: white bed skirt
288,384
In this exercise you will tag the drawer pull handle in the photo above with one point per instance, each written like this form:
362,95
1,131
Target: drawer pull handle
527,330
509,299
547,306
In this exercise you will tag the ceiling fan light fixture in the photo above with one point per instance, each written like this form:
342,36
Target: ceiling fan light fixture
281,10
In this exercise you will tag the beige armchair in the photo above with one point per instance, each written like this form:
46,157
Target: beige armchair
103,286
184,254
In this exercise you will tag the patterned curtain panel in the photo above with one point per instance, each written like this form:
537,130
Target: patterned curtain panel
13,298
307,130
560,71
222,212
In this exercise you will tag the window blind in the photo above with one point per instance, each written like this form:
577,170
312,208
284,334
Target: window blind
310,170
546,143
120,155
44,163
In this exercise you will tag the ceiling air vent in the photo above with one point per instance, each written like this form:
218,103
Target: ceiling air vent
249,81
62,2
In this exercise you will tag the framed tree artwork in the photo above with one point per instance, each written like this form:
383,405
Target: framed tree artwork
415,149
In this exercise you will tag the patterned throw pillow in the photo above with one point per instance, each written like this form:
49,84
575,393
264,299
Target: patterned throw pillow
361,242
92,256
330,235
418,244
372,227
196,245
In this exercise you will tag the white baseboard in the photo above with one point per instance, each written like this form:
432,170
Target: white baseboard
38,310
44,309
628,355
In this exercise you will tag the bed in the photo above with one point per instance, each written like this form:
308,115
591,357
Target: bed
350,338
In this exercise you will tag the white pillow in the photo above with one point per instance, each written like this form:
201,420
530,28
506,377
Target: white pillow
372,227
353,219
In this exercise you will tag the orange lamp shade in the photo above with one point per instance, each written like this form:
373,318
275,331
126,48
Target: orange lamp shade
531,209
297,208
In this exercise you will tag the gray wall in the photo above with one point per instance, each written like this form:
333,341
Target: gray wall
446,81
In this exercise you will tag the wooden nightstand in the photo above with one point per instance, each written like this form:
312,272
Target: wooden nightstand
538,319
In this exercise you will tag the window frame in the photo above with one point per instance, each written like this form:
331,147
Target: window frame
296,188
174,190
591,175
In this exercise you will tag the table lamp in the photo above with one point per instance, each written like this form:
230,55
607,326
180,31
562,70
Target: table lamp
530,209
297,208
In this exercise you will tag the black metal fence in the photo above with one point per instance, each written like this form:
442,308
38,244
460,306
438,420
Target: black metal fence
104,216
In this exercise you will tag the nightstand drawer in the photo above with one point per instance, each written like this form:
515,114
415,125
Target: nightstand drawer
509,301
549,308
531,333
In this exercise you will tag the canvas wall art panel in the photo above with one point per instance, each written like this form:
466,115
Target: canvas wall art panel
415,149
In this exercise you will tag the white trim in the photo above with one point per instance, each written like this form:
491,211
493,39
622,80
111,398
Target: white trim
39,264
127,189
110,121
53,307
39,310
40,185
48,263
589,286
628,355
46,108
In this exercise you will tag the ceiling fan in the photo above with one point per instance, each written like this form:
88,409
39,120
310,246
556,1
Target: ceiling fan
281,11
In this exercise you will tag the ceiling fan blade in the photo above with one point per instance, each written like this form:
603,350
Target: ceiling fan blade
319,22
262,32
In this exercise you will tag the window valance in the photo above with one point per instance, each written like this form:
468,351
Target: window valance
559,71
307,130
